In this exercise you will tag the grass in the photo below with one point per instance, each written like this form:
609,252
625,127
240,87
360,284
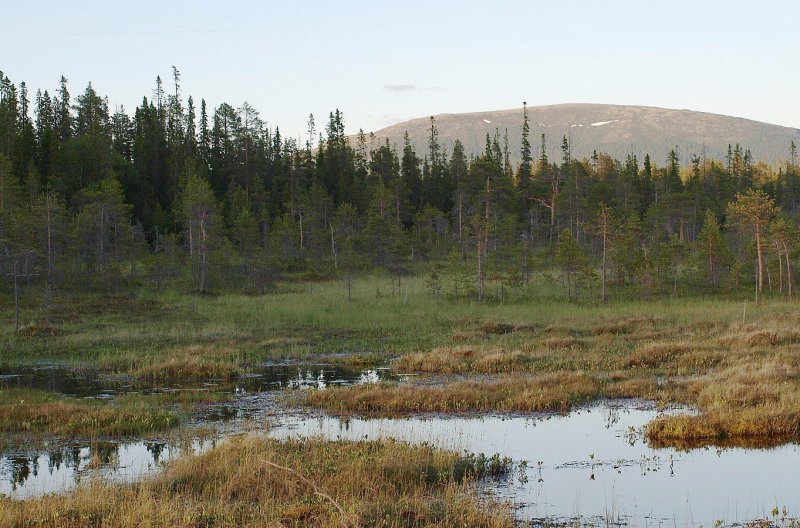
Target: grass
175,397
686,350
251,482
754,397
38,412
737,365
193,363
509,394
741,376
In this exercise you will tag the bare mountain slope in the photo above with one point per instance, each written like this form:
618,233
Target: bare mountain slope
616,130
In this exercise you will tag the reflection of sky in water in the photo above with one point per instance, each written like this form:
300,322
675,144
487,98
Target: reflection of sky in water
595,465
325,377
25,473
591,463
60,470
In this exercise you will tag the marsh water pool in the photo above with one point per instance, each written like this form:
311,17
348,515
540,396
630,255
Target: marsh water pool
592,465
31,470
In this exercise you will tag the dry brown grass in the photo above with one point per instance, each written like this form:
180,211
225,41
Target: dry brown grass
464,359
256,482
752,398
676,357
40,329
744,378
549,392
656,354
496,328
33,412
557,343
464,336
190,363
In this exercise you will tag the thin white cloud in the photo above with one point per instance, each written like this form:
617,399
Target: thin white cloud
411,88
401,87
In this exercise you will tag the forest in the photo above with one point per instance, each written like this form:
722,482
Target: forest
209,200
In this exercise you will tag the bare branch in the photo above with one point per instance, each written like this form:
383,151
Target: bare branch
317,491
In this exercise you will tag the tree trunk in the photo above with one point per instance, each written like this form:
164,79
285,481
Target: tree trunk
780,269
530,221
569,288
191,241
480,267
603,270
460,215
333,248
711,270
788,269
301,232
760,284
488,191
203,252
49,248
101,243
397,206
16,298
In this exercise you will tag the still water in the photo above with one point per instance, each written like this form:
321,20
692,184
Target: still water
591,465
29,471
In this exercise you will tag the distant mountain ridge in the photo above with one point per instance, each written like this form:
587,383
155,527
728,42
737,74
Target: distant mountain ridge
617,130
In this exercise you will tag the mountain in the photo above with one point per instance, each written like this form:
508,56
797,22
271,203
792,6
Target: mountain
614,129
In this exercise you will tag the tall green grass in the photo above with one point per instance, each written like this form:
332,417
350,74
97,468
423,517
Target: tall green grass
311,319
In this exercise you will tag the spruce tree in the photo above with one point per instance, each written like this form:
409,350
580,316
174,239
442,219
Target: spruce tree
524,173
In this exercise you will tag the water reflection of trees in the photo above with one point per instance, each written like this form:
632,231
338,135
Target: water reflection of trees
155,449
20,467
53,379
103,454
612,416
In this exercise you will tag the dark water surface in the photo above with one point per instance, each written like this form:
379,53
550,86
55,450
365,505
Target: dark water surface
92,384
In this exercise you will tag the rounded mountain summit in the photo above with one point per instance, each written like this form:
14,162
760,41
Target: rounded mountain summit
617,130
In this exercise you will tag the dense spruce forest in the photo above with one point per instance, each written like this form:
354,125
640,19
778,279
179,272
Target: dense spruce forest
179,194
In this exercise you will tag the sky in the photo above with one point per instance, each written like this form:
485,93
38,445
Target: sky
382,62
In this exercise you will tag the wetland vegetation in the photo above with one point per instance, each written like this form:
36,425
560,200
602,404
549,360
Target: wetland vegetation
261,482
166,276
732,365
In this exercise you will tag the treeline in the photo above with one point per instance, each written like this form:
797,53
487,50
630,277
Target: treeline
215,199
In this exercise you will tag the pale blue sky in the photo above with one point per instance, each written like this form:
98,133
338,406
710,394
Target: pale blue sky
381,62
